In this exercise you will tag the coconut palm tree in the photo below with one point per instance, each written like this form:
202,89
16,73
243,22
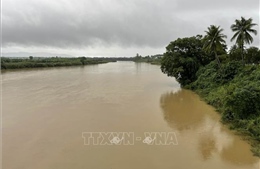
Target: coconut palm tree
242,29
214,41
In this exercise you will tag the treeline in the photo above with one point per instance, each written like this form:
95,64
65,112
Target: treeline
37,62
153,59
227,79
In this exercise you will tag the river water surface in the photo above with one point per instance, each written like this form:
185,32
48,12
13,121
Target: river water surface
45,112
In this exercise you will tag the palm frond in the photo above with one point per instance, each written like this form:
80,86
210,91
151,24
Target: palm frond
242,29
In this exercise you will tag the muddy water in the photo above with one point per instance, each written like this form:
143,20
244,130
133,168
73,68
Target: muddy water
45,112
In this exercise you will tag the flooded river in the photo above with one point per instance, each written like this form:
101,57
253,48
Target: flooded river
47,111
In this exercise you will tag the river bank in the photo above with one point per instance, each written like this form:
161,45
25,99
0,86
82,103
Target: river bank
227,80
234,90
40,62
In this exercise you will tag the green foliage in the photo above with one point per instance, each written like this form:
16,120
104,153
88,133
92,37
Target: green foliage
243,102
242,29
20,63
214,41
235,92
83,60
211,76
229,70
232,87
183,58
206,76
252,55
153,59
235,53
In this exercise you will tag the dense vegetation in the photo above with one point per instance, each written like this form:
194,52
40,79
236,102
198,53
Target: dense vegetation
32,62
230,81
36,62
235,92
183,59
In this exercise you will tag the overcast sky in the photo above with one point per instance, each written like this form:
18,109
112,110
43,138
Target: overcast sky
114,27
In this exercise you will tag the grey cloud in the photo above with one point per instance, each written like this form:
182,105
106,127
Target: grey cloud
209,5
153,23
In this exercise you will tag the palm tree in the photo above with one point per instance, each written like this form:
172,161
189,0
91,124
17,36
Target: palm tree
214,41
242,29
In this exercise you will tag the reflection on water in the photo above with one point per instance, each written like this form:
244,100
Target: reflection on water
178,106
207,146
46,110
237,153
186,113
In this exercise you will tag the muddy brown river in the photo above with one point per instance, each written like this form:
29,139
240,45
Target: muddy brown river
47,111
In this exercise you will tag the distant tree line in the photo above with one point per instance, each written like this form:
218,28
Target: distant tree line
153,59
37,62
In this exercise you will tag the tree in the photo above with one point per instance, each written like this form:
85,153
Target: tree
83,60
31,57
242,29
252,55
234,52
138,57
183,58
214,41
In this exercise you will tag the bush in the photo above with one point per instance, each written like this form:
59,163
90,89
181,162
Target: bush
243,102
229,71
